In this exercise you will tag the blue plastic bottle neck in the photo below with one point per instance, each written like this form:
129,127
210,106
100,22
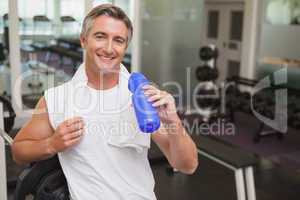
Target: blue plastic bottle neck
137,81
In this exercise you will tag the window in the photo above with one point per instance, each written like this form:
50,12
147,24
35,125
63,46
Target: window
278,12
3,10
27,9
98,2
233,68
74,8
124,4
213,24
236,28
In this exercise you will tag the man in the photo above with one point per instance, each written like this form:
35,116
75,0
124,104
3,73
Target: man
94,166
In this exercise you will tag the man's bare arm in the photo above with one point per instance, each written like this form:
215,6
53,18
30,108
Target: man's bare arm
178,147
172,139
37,140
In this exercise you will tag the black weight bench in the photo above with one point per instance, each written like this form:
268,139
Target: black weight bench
233,158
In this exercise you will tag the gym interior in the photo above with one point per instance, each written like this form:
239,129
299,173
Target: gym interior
231,65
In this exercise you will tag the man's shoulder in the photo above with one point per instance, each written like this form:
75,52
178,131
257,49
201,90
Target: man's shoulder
56,96
55,99
57,89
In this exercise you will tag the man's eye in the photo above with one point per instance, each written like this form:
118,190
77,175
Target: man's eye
120,41
99,37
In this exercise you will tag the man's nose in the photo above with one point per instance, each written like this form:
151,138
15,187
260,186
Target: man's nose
109,47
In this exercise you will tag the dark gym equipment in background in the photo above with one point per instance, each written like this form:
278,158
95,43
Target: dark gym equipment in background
8,113
207,73
2,54
263,103
9,116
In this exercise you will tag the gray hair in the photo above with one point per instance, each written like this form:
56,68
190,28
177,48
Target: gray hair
107,10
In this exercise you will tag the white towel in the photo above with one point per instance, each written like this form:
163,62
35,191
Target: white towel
127,134
130,134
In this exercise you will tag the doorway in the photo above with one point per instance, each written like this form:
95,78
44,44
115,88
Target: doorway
223,27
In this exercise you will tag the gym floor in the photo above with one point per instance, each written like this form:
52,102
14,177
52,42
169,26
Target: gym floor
212,181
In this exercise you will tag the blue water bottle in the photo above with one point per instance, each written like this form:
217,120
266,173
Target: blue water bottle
147,116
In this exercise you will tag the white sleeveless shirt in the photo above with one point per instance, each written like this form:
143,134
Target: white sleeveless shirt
94,169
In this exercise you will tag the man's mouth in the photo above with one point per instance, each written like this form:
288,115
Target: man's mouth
105,58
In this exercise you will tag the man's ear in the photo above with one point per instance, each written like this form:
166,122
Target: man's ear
83,41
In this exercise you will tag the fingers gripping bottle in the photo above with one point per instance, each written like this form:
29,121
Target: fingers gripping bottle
147,115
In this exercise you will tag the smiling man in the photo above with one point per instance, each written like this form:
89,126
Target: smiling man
96,163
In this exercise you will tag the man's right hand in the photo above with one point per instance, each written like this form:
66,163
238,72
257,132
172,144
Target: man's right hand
67,134
37,140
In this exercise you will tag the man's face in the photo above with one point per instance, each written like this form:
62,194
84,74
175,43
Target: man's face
105,44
